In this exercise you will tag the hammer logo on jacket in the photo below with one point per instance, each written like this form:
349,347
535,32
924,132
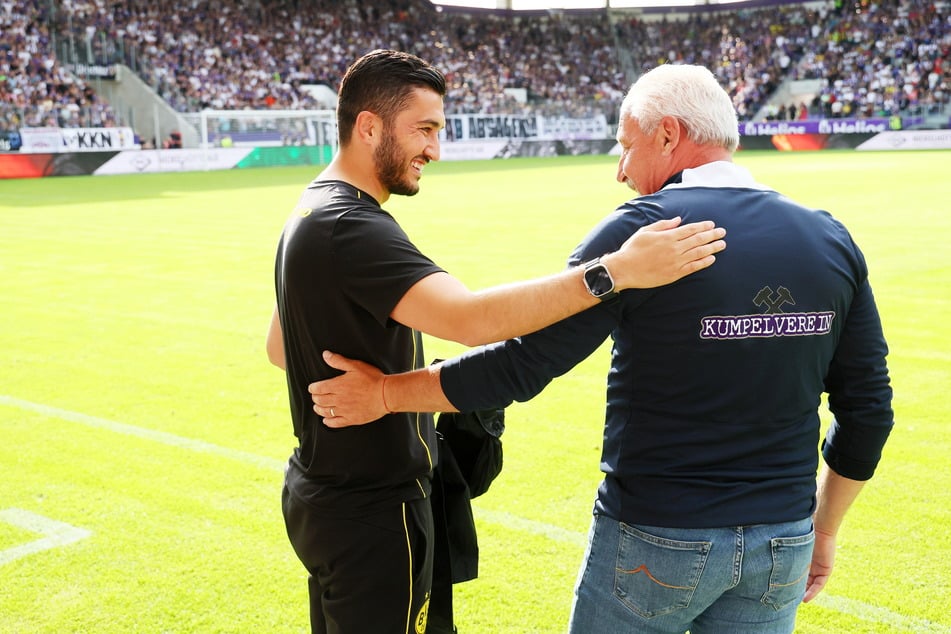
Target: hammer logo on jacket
773,305
772,322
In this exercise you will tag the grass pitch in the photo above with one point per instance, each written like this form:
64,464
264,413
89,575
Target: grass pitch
143,433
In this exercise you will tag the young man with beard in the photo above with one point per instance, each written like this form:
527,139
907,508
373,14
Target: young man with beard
356,501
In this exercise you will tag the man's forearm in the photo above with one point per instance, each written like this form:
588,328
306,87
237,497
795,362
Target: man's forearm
275,341
417,391
648,259
442,306
834,496
510,310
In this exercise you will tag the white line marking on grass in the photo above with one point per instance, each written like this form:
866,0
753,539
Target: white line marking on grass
858,609
54,533
525,525
146,434
875,614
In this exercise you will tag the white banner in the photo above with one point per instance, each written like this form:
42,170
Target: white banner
471,150
47,140
909,140
194,160
40,140
564,128
477,127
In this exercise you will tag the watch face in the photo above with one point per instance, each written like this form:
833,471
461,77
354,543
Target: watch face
598,280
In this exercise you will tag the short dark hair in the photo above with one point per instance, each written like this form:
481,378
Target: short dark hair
381,82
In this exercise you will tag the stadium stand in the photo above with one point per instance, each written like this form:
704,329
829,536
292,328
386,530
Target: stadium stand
871,59
888,59
865,58
751,50
35,89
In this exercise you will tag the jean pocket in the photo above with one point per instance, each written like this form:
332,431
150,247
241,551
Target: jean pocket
792,557
655,575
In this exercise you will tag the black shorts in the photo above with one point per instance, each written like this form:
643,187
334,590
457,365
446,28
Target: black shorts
371,573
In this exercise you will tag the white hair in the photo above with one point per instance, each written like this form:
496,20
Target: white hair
690,94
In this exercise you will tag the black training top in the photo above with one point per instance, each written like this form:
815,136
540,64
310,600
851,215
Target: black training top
715,381
343,263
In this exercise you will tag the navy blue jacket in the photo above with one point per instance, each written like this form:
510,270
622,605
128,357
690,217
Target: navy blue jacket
715,381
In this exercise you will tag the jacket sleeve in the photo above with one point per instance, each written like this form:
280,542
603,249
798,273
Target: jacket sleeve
520,368
860,394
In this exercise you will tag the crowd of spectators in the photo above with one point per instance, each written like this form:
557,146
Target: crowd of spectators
872,58
35,89
887,58
240,55
751,51
566,63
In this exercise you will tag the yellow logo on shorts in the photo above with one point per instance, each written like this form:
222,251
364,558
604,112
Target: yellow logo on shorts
422,616
303,212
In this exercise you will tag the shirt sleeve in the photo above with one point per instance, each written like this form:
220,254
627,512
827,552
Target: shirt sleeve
377,261
860,394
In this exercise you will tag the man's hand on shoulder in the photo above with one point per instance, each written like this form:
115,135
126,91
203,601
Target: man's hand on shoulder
664,252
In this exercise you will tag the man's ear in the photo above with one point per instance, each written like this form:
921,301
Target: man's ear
670,132
368,127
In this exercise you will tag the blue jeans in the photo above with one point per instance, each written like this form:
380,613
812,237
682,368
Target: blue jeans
737,580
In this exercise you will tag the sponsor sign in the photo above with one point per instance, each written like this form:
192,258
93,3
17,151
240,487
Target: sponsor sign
909,140
40,140
501,126
43,140
94,71
568,129
817,126
184,160
477,127
471,150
